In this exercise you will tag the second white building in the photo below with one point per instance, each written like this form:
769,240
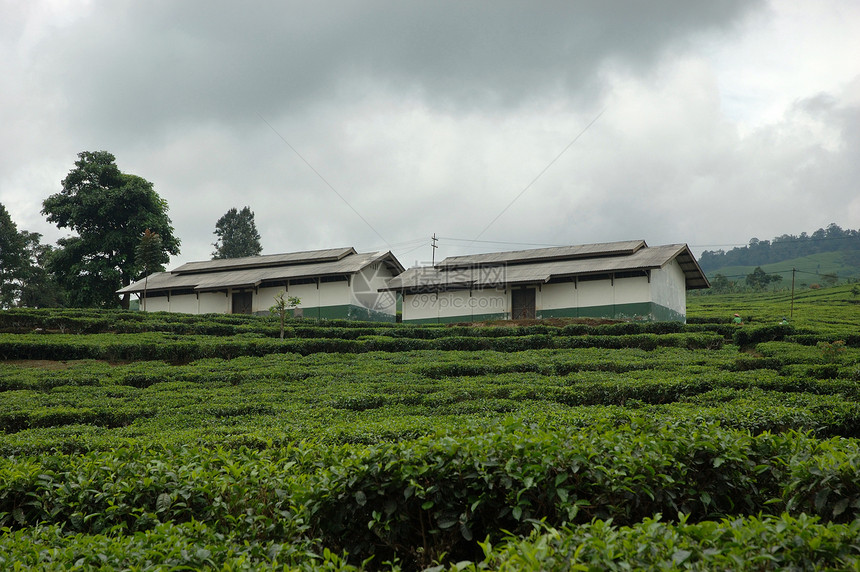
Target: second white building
620,280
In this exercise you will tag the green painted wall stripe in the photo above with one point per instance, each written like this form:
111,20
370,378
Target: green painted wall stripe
645,311
455,319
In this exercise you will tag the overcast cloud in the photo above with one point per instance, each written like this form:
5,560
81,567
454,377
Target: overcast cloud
376,124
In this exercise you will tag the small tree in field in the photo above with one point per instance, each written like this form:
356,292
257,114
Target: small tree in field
282,304
148,253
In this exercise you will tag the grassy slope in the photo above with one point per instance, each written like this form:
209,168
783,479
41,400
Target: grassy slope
825,309
810,269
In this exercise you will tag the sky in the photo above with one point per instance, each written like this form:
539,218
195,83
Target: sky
495,125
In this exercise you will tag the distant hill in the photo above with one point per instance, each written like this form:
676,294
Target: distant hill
817,257
827,309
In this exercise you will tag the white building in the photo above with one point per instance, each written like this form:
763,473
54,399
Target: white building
336,283
618,280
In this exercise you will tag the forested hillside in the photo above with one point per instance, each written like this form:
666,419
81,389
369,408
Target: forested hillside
787,247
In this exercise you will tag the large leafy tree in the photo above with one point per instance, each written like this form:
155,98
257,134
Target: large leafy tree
237,235
758,279
109,210
12,259
39,288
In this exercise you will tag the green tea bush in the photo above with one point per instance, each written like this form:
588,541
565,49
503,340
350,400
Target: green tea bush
436,495
750,544
752,335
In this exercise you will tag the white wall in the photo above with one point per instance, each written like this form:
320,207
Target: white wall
455,304
632,290
565,295
595,293
265,299
557,296
328,294
158,304
184,304
668,287
213,303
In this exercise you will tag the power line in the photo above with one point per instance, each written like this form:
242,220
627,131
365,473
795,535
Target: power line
774,272
498,242
539,175
323,179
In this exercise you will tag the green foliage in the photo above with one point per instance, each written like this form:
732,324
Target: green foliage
12,260
39,288
109,210
132,440
790,251
283,304
832,351
745,544
721,285
758,279
149,253
237,235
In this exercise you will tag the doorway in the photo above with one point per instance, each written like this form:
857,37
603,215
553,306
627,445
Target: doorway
523,304
242,302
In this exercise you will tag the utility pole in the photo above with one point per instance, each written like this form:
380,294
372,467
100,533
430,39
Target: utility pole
793,270
433,245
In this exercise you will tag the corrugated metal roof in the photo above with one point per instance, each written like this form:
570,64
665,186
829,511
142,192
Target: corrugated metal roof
245,277
494,275
544,254
327,255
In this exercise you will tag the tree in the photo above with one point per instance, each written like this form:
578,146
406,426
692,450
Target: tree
283,303
39,288
237,235
758,279
149,252
109,210
11,259
720,284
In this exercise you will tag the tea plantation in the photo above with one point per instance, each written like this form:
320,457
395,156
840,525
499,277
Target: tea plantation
171,442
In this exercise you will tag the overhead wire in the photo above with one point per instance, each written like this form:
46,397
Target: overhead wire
323,179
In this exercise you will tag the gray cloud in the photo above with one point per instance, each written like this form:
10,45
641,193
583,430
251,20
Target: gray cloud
433,117
144,66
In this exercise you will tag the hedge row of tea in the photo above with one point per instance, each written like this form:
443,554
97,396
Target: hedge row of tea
168,347
741,544
348,398
137,441
824,310
415,501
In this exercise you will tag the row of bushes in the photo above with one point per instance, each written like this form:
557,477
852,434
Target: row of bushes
753,401
744,544
438,495
82,321
132,347
750,544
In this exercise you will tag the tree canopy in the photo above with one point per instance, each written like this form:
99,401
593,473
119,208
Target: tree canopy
237,235
758,279
39,288
785,247
12,259
109,210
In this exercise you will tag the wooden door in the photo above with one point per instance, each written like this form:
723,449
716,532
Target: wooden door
523,303
242,302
